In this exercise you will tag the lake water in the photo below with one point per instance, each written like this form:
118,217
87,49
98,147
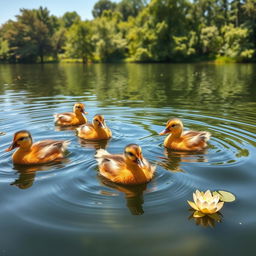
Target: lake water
68,209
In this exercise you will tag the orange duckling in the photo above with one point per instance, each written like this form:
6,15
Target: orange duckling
75,118
184,141
38,153
95,131
130,168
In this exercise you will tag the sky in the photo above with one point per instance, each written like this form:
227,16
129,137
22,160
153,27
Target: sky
10,8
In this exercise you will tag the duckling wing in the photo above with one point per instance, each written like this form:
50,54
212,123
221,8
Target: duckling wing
118,159
193,138
113,161
46,148
64,117
87,128
110,165
86,131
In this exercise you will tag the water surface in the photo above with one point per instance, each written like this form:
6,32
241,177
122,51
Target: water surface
68,209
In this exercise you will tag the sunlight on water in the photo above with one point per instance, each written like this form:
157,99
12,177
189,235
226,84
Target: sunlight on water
69,200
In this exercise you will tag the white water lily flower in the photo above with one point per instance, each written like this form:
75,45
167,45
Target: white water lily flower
205,202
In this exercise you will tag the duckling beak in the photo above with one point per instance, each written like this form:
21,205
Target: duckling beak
102,125
83,111
140,162
165,131
13,146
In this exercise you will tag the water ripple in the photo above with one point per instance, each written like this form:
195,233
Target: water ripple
73,192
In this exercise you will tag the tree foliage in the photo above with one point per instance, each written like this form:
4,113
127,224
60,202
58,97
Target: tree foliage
69,18
101,6
30,36
137,30
79,41
107,36
130,8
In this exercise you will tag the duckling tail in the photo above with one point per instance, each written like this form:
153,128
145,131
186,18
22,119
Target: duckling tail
55,117
65,145
78,130
101,152
205,136
153,168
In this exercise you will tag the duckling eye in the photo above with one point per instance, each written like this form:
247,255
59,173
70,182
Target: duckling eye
173,125
78,107
130,154
22,138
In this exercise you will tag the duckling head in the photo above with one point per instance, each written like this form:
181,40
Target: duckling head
21,139
99,121
133,155
173,126
79,108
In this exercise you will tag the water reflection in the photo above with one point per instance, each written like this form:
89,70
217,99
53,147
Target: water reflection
209,220
152,85
137,99
173,159
93,144
171,163
25,179
65,128
133,195
27,174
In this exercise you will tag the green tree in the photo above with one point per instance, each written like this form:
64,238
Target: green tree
236,12
79,41
184,47
69,18
108,38
249,9
130,8
101,6
58,42
236,43
30,36
140,30
211,40
155,28
50,21
4,49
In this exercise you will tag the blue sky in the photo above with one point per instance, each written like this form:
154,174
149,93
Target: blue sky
10,8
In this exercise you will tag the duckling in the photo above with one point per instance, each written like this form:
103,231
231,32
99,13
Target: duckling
38,153
131,168
95,131
75,118
184,141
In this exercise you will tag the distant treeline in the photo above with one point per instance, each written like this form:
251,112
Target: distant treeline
135,30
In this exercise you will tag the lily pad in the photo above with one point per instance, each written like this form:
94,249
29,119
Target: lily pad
225,196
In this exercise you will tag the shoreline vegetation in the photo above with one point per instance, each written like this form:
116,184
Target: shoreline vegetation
138,31
224,60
